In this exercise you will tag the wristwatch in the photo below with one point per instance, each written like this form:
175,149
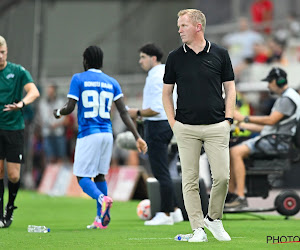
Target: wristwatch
246,119
229,119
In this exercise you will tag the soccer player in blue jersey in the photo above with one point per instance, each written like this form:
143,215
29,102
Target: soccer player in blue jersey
94,92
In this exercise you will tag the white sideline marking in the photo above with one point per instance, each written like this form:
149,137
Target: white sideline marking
171,238
151,239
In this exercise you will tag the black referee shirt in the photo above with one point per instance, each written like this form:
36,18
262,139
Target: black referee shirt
199,79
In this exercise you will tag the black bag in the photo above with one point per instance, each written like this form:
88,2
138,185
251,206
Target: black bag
274,144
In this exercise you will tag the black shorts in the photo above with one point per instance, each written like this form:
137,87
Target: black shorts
12,145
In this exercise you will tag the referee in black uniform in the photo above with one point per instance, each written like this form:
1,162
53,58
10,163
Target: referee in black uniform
200,69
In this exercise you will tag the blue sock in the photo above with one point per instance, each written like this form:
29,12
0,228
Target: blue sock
90,188
102,186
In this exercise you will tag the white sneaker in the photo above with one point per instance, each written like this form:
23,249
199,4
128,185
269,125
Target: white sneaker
198,236
217,229
177,215
160,218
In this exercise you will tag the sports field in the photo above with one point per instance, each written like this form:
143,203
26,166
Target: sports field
67,218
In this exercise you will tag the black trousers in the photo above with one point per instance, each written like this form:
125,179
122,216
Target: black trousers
158,135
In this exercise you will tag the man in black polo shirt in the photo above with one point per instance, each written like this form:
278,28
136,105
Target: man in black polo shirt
200,69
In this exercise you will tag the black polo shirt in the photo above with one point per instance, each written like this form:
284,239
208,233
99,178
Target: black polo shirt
199,79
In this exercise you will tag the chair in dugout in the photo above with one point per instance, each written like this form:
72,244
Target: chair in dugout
154,195
266,170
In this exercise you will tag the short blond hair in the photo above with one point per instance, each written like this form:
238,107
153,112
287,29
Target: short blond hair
195,15
2,41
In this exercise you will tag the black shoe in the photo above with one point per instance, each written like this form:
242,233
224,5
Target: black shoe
230,197
237,203
8,215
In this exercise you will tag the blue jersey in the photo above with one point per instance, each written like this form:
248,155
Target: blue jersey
94,92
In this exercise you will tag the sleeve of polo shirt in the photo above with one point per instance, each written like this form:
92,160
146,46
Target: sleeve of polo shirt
170,74
227,71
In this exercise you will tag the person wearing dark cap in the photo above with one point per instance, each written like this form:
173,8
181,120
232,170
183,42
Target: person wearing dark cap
282,119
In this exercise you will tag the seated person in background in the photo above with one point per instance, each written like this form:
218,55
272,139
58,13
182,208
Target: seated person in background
283,119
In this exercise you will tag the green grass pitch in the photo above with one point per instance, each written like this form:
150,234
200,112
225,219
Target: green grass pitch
67,218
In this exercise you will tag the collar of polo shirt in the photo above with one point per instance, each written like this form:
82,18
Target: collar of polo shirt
206,48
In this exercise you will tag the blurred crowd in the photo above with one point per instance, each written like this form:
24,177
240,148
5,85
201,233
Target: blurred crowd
250,45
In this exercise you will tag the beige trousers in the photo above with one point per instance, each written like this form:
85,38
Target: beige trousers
216,144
